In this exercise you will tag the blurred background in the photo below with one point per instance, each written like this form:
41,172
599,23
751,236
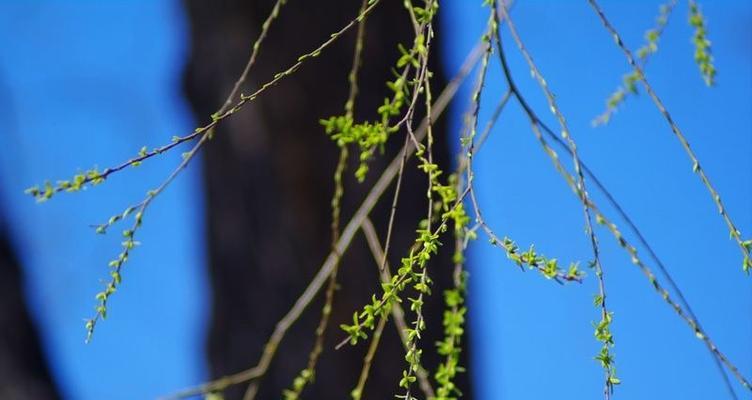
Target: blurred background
234,241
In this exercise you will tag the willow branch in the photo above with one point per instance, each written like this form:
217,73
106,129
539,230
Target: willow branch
632,251
744,246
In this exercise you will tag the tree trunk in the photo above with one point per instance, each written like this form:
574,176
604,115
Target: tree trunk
268,175
23,369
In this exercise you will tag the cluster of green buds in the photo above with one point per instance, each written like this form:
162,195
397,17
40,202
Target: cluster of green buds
630,79
603,334
78,182
368,136
128,244
372,136
298,384
548,267
747,262
425,246
449,347
703,57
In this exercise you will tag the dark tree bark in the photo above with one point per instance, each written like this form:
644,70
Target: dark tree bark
23,369
268,175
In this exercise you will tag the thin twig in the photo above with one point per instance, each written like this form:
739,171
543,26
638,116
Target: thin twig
644,53
205,130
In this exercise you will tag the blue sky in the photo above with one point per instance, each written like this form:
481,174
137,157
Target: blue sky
534,338
87,84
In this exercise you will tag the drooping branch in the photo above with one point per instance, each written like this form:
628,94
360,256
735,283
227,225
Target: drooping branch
745,246
602,332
